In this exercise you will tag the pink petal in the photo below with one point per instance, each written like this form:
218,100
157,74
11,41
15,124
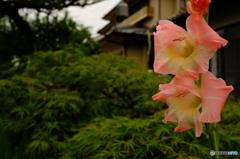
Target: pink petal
166,61
161,96
167,58
169,117
167,32
214,94
157,44
167,91
197,125
204,34
185,83
175,87
201,57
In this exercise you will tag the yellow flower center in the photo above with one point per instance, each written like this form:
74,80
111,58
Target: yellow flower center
187,47
188,50
190,98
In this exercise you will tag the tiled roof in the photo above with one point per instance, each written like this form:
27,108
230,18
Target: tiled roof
131,29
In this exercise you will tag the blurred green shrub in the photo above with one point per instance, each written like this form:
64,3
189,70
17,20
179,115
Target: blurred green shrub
149,138
59,92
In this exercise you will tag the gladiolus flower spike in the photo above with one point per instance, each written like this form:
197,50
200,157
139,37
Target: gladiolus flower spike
194,96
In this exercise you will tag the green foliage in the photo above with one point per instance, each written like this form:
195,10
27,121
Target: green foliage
5,150
147,138
59,92
230,126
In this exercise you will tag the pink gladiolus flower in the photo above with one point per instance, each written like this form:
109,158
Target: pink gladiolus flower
198,8
185,53
191,104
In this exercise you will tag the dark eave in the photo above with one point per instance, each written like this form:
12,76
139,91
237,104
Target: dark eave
110,15
134,33
106,28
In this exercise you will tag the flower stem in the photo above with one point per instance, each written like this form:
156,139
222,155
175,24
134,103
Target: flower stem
212,131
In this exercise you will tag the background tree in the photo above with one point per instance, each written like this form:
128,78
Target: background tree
21,36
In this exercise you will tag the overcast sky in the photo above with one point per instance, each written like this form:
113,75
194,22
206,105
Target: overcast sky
91,16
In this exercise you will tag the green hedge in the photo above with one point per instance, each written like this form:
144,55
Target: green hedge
48,98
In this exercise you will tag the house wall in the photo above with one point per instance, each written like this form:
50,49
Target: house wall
155,4
113,48
168,8
134,50
162,9
138,52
